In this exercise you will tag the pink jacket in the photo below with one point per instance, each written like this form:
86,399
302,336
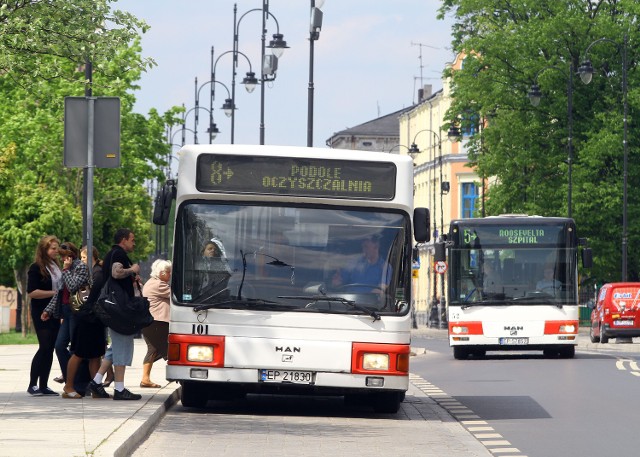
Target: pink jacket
158,293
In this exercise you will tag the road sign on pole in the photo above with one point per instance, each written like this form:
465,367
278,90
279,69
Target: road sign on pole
105,128
441,267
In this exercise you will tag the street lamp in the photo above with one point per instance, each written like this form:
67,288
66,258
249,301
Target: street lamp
586,74
535,95
269,63
314,33
250,81
212,130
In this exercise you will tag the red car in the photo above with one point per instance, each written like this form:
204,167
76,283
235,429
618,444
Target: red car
616,312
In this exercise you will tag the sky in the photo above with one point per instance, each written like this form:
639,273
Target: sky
366,63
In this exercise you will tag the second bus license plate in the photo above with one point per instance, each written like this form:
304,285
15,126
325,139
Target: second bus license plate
514,341
286,376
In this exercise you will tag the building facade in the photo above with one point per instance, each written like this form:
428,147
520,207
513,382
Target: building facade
444,183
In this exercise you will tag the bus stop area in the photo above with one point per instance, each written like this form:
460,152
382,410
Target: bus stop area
103,427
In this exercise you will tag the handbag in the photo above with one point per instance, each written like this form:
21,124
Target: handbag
121,313
79,297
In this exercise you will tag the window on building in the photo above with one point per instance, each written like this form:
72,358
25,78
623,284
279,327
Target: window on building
470,192
470,124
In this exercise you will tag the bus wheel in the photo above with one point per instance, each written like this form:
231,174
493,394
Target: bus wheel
593,337
460,353
194,395
387,402
604,339
567,352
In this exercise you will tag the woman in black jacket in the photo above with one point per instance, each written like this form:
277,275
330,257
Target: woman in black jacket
44,280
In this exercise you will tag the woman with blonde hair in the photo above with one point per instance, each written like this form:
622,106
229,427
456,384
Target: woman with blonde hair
44,280
158,290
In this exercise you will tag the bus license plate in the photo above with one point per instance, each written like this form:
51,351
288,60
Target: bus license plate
286,376
623,322
514,341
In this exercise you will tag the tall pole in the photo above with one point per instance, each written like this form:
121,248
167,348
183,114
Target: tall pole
233,70
89,171
212,94
310,90
570,140
625,159
265,12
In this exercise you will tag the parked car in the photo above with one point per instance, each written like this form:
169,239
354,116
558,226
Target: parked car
616,313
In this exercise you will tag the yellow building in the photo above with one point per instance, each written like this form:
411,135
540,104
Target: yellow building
443,183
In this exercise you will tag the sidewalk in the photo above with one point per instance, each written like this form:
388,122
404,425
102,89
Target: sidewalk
102,427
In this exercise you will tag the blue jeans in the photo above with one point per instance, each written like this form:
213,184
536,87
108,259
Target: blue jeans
64,338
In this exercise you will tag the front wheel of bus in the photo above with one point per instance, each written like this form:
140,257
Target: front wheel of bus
194,395
567,352
460,353
387,402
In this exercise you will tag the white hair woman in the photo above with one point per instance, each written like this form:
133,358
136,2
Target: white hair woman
158,290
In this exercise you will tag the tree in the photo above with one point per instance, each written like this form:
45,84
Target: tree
39,195
510,46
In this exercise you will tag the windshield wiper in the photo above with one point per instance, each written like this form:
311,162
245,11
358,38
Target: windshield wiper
353,304
242,301
537,295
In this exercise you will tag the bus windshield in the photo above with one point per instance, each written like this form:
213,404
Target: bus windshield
520,264
288,258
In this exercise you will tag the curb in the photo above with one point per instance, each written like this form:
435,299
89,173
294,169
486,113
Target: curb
130,435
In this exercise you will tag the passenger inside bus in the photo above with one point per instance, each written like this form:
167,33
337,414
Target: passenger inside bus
491,279
213,267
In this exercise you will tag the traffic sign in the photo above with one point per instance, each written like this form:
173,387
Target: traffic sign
441,267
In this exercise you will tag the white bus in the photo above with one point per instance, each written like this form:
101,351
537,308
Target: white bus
513,285
309,287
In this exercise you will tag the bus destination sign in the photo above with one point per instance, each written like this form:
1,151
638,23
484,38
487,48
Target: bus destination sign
296,176
510,235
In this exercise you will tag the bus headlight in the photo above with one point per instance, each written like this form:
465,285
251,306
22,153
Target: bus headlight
568,328
375,362
196,353
459,329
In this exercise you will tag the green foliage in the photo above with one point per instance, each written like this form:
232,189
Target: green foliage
38,195
524,149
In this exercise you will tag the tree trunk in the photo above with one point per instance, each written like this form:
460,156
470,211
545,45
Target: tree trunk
21,285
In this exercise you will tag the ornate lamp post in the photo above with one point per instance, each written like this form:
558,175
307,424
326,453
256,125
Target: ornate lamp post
269,62
535,96
586,74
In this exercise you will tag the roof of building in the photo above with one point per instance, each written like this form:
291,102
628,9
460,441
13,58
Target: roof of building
387,125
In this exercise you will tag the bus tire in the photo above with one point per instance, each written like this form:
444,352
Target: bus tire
567,352
387,402
604,339
194,395
460,353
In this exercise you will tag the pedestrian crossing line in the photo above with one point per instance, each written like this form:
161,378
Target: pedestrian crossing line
506,449
486,436
493,442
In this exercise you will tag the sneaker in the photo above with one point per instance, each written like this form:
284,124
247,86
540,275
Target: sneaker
97,390
48,392
125,395
34,391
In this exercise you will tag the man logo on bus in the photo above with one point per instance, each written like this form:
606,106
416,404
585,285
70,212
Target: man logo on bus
513,329
287,349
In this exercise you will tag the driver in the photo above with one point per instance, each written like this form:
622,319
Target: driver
368,269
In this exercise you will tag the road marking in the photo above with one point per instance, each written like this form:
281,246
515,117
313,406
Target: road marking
633,365
468,419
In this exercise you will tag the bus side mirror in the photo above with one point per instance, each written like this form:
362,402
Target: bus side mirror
164,198
587,258
421,225
440,254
